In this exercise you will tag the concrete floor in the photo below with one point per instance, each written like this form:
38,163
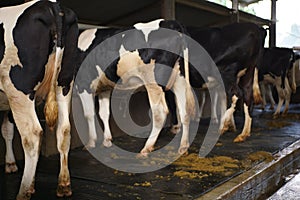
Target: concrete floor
290,191
93,180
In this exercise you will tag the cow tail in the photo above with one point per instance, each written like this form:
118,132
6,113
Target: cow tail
51,107
190,105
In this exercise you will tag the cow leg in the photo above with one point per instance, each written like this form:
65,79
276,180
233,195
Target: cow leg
280,92
175,122
7,130
256,92
200,113
263,94
104,113
227,122
287,96
279,105
181,93
281,97
270,96
63,137
30,130
88,105
159,110
247,126
293,78
214,100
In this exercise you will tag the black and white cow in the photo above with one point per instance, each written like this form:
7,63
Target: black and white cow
37,47
275,66
236,49
146,54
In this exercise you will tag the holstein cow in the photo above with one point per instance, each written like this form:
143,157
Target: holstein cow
146,54
274,69
236,50
37,46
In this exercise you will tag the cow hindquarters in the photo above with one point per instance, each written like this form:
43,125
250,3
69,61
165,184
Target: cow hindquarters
63,141
7,130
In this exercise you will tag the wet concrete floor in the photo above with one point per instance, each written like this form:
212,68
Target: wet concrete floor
93,180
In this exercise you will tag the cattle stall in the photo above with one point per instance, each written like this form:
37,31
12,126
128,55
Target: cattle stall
254,168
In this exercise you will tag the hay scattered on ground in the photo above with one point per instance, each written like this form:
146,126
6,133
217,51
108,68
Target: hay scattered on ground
194,167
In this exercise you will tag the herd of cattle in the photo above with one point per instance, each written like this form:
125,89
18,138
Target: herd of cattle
42,52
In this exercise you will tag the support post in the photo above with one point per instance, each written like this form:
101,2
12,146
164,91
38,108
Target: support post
235,11
272,41
168,9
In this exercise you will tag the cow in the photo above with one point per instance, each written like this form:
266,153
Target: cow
276,64
130,58
37,47
236,50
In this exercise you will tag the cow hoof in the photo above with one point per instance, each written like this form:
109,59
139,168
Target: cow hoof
284,113
145,152
64,190
175,129
27,195
240,139
276,116
183,150
107,143
11,168
90,145
142,155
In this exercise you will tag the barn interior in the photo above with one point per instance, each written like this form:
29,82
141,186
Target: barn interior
92,179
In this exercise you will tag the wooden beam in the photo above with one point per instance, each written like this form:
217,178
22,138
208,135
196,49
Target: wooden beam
111,22
203,6
168,9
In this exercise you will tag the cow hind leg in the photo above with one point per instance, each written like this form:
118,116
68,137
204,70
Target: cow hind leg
63,137
214,100
104,113
30,131
88,105
287,97
201,108
281,97
182,97
247,126
7,130
159,110
256,91
227,121
263,90
175,121
270,95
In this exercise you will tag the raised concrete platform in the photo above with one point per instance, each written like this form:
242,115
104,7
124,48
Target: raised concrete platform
263,179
